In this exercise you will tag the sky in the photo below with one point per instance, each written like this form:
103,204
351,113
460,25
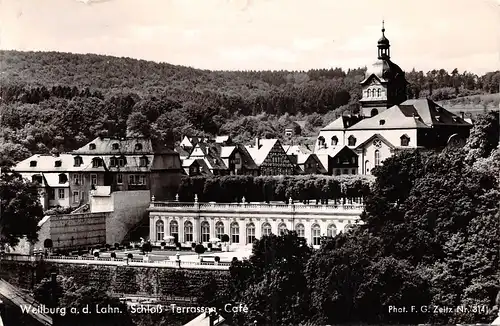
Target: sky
262,34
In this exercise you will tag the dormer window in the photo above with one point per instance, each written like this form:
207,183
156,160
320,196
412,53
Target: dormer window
115,146
96,162
351,141
32,164
143,161
78,161
121,161
63,178
112,162
438,118
138,147
57,164
382,122
405,140
321,141
92,146
335,140
37,178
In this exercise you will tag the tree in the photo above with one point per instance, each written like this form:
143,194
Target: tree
199,249
20,209
137,124
484,136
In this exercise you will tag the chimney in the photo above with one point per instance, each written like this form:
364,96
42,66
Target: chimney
257,142
462,115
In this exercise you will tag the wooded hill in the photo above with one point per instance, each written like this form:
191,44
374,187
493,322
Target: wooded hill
59,101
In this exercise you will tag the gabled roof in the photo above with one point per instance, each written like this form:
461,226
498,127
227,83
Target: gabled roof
52,180
222,139
324,159
429,111
321,167
182,152
226,151
260,154
296,149
342,123
378,136
393,118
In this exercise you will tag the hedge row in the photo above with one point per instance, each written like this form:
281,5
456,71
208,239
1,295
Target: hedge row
273,188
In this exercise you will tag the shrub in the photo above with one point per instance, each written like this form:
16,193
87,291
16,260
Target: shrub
47,243
193,245
107,246
113,255
96,253
199,249
147,247
217,259
130,256
224,238
163,244
117,245
209,245
178,245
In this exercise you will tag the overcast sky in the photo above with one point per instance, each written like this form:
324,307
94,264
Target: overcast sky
262,34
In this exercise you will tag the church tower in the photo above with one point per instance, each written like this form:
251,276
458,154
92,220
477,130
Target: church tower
384,84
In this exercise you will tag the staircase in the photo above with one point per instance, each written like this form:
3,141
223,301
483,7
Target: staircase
20,299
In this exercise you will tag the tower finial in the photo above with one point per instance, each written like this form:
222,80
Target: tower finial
383,27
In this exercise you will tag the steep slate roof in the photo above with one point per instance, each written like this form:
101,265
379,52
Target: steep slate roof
182,152
52,180
394,117
210,154
428,110
315,157
324,159
260,154
126,145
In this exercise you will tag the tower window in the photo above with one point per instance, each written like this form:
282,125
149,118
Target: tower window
373,112
405,140
378,92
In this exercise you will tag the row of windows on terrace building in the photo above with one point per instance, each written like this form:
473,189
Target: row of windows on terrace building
351,141
98,162
234,235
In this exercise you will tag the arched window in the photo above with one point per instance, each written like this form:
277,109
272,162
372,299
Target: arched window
321,141
219,230
367,167
266,229
282,229
377,157
368,93
160,230
301,231
250,233
115,146
92,146
405,140
373,112
174,230
96,162
63,178
351,141
205,231
335,140
138,147
235,232
316,235
78,161
331,231
188,232
378,92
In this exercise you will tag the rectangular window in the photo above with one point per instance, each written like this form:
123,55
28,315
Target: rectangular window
61,193
353,171
52,194
121,162
143,161
112,161
76,196
93,179
142,180
237,161
131,179
119,178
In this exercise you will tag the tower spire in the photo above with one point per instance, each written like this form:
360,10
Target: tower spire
383,45
383,28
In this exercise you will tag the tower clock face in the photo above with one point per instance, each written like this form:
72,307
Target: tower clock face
377,143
